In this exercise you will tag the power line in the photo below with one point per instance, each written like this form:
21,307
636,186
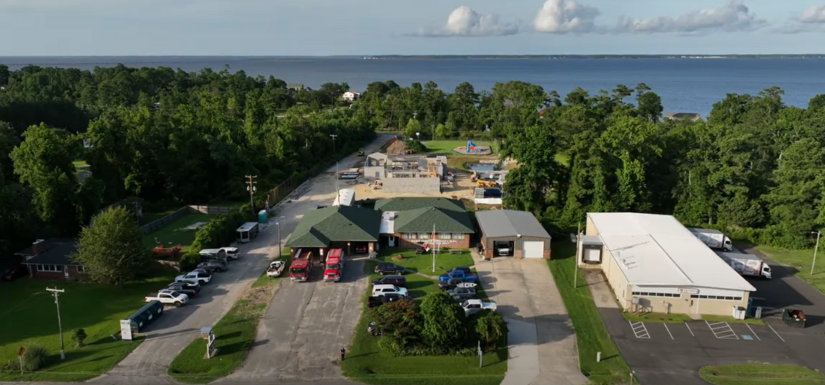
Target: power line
56,293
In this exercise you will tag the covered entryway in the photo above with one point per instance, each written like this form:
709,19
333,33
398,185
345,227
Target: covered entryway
533,249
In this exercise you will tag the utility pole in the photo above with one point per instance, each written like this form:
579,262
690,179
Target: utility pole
250,186
816,248
337,190
56,293
278,223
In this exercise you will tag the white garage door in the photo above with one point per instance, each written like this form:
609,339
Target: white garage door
592,255
533,250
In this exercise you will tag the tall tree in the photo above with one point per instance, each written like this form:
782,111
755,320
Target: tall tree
111,248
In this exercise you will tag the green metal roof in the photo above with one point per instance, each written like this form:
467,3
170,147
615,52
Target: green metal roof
406,204
336,224
422,221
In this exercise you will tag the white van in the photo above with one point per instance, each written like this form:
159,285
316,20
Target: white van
247,232
380,290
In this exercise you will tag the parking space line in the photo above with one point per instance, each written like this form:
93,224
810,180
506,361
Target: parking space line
668,331
722,330
639,329
691,331
774,331
754,333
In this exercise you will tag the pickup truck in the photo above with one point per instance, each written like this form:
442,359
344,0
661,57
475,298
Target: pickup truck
168,297
462,293
275,269
472,306
456,276
466,270
195,276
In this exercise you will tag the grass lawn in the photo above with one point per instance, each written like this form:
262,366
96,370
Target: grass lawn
800,260
235,332
591,335
175,232
756,373
367,364
445,147
151,217
29,317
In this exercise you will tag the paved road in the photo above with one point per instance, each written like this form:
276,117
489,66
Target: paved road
542,342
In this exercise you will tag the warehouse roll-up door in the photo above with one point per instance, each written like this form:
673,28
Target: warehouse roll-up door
592,255
533,250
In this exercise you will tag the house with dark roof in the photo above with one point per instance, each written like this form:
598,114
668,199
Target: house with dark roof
337,227
51,259
509,233
412,222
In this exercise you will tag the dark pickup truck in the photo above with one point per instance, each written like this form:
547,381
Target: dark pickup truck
386,298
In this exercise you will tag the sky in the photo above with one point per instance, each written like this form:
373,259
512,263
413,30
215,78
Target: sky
409,27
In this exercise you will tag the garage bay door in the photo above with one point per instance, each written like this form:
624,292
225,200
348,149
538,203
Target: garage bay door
533,250
592,255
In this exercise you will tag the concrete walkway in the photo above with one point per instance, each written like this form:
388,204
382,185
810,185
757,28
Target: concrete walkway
599,288
541,340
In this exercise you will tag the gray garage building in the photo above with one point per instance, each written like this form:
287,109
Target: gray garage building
512,233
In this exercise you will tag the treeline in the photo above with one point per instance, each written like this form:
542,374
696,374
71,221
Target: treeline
754,167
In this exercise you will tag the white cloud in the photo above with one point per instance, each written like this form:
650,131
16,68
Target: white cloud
811,20
464,21
734,16
560,17
813,15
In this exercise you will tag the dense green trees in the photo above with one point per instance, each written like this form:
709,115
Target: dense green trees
111,248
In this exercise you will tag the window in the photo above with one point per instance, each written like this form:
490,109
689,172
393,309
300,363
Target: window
694,296
81,269
424,235
411,236
49,268
458,236
445,236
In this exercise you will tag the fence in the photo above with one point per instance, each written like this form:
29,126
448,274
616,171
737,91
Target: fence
211,210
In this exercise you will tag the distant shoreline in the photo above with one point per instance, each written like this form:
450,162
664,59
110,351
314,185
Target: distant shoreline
412,57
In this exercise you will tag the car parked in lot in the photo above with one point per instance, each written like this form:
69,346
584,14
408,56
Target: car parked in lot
462,293
384,268
14,272
168,297
465,269
472,306
214,265
379,290
191,291
386,298
397,280
196,276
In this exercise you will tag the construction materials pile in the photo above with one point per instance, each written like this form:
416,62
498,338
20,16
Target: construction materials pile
397,148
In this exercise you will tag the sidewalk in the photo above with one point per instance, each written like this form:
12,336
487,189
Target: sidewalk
541,340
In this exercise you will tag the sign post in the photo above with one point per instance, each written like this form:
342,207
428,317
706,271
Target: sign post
20,352
126,330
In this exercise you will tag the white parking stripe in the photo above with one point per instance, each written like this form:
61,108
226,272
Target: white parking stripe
691,331
668,331
722,330
754,333
774,331
639,329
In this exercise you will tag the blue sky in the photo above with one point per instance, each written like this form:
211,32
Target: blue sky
377,27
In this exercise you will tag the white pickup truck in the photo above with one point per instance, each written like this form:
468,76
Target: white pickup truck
472,306
275,269
168,297
195,276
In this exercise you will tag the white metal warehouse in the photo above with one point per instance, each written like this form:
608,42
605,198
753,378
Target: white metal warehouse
655,264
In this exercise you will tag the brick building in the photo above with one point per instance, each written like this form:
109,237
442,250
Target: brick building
51,259
410,222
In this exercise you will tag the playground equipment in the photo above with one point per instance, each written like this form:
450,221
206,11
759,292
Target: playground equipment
471,147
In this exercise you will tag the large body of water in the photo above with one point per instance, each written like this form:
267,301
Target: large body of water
685,85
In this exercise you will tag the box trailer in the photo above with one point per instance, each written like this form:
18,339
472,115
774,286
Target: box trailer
746,264
715,239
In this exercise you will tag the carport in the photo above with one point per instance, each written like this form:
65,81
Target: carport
353,229
512,233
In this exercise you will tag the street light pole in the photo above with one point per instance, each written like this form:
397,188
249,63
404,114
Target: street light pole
278,223
816,248
56,293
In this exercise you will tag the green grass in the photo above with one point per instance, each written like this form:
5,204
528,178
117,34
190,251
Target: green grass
591,335
445,147
417,285
151,217
657,318
235,334
29,316
757,373
367,364
174,233
723,318
800,260
80,164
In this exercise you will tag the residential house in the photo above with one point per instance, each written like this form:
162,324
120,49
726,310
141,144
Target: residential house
51,259
411,222
351,96
683,116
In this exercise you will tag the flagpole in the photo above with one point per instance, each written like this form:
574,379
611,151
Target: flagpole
433,246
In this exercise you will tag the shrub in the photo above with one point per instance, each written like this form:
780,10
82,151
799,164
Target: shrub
34,358
444,324
78,336
399,320
190,259
488,326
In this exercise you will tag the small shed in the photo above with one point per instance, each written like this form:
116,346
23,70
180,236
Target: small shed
508,233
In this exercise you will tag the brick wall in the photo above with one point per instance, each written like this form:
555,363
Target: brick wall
58,275
445,243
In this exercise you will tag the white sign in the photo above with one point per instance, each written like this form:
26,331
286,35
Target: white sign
126,330
688,291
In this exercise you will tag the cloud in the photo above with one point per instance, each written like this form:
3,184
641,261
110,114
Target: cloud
811,20
813,15
560,17
463,21
734,16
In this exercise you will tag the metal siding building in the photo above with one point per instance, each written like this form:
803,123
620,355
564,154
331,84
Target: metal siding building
654,264
518,229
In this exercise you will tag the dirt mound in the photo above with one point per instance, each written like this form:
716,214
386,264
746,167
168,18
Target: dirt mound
397,148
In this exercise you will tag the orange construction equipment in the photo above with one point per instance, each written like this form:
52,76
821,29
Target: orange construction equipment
160,251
